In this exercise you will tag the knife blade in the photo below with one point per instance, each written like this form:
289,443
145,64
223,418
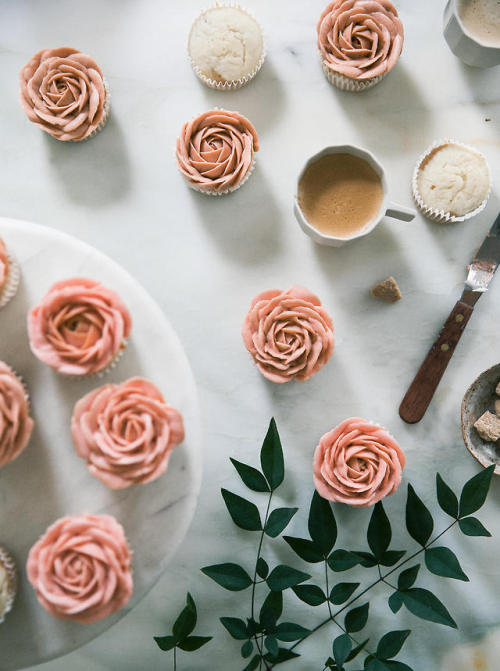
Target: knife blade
480,273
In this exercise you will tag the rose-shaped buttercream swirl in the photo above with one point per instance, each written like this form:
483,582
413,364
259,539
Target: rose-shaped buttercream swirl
288,333
360,38
16,424
357,463
80,568
126,432
215,151
79,327
63,92
4,265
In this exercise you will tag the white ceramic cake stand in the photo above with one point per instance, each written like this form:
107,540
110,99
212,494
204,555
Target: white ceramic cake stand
48,480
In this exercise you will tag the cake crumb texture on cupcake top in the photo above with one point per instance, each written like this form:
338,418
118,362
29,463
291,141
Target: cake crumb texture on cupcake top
454,179
226,43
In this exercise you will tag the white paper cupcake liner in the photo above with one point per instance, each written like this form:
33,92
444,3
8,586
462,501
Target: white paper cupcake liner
11,285
8,562
441,216
233,84
349,83
107,110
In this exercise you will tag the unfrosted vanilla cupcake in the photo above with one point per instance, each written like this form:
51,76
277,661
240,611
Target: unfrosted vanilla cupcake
226,47
451,182
9,275
8,583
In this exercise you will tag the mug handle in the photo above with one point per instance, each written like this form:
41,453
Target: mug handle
400,212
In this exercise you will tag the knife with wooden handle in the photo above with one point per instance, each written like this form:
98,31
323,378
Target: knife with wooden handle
481,271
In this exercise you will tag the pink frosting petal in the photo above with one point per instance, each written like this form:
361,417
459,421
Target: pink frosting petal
16,424
4,264
357,463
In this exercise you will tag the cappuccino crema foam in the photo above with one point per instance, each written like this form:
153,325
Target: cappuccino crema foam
481,19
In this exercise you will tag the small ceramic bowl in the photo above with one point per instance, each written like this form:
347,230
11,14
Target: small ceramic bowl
478,399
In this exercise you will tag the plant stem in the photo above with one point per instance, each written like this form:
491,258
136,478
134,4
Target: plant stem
328,590
254,583
373,584
175,658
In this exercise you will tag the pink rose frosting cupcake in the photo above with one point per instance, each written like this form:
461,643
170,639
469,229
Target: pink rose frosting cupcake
288,333
79,328
359,41
16,424
64,93
357,463
9,275
215,151
126,432
80,568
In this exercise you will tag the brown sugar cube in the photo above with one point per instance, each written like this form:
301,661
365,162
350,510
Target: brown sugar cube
497,407
488,427
387,291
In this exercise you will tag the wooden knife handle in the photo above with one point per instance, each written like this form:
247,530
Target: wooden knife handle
422,389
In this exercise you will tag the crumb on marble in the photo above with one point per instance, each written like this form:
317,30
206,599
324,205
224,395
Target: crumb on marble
387,290
488,427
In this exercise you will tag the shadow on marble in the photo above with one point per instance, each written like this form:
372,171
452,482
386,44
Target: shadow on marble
484,83
249,99
93,172
245,224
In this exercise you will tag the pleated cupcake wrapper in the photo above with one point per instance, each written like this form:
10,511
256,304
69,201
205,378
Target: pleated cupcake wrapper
100,373
441,216
9,290
107,110
24,386
8,562
349,83
234,84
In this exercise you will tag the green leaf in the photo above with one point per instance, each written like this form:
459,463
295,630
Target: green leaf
305,549
310,594
407,577
272,645
246,649
366,559
254,663
395,601
379,531
271,457
252,626
289,631
251,477
443,562
271,609
446,497
471,526
341,647
355,651
284,655
356,618
374,664
236,627
278,520
427,606
391,643
342,560
282,577
245,514
192,643
342,591
322,525
391,557
186,621
475,491
230,576
165,643
262,568
418,519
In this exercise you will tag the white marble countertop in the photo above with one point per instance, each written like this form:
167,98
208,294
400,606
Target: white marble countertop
204,259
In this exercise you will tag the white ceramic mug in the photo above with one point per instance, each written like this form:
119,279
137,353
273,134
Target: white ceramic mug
463,44
387,208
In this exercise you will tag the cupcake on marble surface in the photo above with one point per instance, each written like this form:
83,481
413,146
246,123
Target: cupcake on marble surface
126,432
216,151
79,328
81,567
451,182
63,92
359,42
9,275
16,424
8,583
226,47
288,333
